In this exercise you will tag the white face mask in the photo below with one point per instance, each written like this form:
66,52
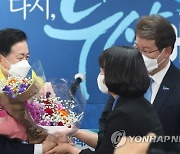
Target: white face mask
19,69
151,64
102,87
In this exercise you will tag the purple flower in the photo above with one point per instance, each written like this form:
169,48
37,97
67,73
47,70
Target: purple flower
36,110
22,88
44,123
28,85
48,94
51,124
6,88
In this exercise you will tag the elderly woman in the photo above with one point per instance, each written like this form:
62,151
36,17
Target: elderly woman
127,80
14,56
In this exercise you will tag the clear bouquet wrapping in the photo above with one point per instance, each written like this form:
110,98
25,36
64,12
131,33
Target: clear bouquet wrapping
58,107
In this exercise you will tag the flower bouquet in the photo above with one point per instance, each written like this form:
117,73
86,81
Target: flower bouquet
14,91
57,108
18,89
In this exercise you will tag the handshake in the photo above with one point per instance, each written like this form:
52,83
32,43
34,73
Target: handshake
60,144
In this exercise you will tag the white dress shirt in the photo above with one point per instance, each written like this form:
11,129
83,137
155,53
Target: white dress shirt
157,78
38,149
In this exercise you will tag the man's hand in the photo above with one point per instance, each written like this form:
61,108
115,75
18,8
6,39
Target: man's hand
64,148
49,144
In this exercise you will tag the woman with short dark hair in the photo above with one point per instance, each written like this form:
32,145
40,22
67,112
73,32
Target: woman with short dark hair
127,80
125,72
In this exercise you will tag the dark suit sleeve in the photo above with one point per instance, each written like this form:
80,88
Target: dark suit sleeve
115,124
106,145
13,146
105,113
164,147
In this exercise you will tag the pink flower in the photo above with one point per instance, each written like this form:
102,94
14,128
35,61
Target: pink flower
60,107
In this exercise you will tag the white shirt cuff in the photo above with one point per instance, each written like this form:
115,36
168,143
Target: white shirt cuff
38,149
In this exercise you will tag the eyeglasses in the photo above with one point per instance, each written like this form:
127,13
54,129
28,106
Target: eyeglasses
146,52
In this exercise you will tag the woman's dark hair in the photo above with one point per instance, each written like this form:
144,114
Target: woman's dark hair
125,72
9,37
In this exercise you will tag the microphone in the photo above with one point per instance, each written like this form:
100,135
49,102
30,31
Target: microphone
79,77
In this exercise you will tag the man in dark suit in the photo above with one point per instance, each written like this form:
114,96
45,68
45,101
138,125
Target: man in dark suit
167,101
155,38
13,146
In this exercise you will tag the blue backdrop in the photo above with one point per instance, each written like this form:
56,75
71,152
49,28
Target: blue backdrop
67,36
